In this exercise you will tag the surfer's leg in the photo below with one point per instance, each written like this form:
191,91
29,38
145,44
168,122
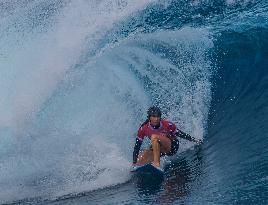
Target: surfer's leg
145,157
156,150
160,143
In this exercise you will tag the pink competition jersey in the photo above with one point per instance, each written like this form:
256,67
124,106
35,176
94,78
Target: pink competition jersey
147,130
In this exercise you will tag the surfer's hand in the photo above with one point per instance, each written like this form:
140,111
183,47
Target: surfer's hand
133,167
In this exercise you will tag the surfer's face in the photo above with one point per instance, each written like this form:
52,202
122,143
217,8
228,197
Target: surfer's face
154,121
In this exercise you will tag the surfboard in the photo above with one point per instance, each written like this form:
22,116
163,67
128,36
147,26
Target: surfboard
150,169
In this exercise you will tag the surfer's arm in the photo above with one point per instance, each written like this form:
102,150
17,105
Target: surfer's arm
139,139
136,150
183,135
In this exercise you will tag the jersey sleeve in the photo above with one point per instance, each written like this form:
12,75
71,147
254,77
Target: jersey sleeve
172,128
141,133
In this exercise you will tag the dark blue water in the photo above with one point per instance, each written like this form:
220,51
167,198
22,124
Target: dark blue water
77,77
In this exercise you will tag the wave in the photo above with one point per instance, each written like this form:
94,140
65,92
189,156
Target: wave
77,77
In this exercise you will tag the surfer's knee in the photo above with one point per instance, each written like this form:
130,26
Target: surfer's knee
154,138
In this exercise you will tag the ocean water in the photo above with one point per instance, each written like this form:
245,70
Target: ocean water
76,79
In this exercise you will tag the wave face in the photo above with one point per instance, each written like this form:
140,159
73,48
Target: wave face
77,77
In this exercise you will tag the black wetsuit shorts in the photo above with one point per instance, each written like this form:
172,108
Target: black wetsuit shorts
174,148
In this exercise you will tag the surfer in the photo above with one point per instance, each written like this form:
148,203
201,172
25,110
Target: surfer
164,139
